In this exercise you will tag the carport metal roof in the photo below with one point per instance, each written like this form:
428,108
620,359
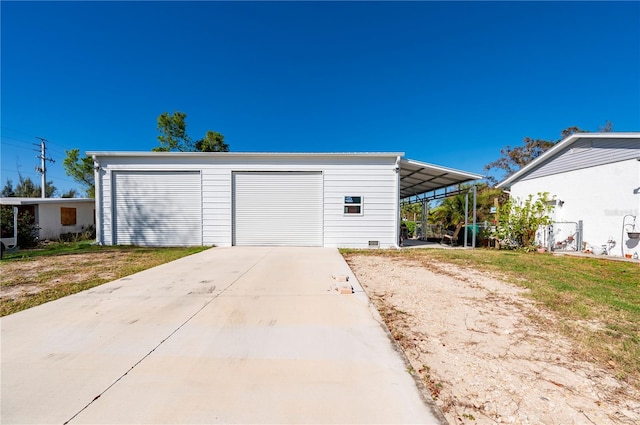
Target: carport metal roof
418,178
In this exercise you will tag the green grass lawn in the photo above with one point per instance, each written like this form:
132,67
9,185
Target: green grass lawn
32,277
597,301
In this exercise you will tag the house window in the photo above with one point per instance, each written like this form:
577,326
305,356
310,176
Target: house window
67,216
353,205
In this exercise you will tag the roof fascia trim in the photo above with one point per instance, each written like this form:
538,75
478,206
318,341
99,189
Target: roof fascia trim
471,176
241,154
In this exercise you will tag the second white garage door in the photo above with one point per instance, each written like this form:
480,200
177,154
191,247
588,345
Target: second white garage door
277,208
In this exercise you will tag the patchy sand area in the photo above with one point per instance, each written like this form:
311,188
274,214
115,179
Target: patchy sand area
480,348
34,275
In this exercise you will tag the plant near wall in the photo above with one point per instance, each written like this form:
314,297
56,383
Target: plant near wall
518,221
27,229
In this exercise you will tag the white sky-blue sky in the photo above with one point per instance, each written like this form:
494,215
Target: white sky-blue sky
449,83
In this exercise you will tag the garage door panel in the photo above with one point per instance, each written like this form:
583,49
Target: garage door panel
157,208
278,208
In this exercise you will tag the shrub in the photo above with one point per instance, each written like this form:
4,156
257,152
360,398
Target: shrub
27,229
411,228
519,221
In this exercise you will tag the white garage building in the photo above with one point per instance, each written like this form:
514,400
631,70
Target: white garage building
282,199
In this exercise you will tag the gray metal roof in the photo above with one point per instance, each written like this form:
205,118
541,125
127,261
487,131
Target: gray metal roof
561,147
417,177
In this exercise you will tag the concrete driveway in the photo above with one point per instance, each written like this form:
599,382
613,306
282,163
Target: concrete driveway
230,335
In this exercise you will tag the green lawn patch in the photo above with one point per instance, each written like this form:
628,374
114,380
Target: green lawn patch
32,277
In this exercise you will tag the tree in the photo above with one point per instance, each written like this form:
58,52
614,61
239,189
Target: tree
26,188
212,142
173,136
513,159
71,193
81,170
450,212
412,212
7,190
173,133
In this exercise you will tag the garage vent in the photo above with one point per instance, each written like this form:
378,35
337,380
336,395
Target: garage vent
374,244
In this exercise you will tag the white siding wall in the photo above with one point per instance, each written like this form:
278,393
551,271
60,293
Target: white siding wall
376,185
373,178
599,196
216,206
49,218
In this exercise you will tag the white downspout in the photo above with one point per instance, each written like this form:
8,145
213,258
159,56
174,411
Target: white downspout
98,200
396,242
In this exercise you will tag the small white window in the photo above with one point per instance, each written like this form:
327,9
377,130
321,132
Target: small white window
353,205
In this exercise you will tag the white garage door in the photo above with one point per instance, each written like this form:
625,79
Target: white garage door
157,208
277,208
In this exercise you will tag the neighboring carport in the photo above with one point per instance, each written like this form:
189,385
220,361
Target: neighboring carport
421,182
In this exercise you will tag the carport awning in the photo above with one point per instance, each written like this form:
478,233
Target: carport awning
417,178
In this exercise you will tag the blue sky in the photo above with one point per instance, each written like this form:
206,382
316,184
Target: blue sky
449,83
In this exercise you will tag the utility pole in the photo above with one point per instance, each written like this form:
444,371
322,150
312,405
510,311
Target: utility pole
42,169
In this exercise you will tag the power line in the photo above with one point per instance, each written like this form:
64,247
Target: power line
17,131
16,146
33,173
27,134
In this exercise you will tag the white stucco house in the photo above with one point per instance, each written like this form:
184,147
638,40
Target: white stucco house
229,198
56,216
595,178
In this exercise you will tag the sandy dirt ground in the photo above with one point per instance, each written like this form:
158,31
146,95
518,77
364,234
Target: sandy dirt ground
29,277
471,339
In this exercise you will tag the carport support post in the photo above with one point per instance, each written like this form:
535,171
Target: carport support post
475,210
466,218
425,218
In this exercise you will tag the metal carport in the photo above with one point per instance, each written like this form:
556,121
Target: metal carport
423,182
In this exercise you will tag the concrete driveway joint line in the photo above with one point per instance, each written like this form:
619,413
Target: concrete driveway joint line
165,339
228,335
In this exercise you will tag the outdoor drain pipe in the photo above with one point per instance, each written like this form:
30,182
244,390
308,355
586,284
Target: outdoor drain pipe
623,227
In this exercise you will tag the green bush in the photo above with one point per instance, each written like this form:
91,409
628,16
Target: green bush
411,228
27,229
87,233
520,220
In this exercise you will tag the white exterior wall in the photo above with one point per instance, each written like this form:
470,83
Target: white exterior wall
48,219
600,196
377,186
374,178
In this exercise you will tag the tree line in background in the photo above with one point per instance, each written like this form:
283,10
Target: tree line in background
26,188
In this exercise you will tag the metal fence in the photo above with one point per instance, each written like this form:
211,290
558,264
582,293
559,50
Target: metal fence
563,236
